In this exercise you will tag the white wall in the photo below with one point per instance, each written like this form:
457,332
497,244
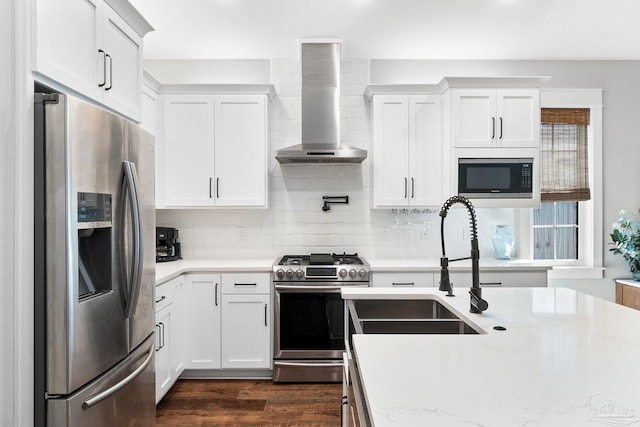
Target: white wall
7,183
296,224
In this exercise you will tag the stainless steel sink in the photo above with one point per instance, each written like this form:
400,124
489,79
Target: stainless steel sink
432,326
410,316
402,309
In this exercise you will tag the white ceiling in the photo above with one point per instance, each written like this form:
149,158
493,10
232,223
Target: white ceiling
394,29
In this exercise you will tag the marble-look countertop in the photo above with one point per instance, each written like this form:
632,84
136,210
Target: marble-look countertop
566,359
433,265
168,270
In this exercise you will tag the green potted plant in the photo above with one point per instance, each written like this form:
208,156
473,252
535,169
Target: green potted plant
626,241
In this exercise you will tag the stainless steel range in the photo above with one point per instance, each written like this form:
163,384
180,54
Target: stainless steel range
309,314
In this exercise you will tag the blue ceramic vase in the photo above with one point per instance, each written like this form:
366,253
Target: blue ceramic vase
503,242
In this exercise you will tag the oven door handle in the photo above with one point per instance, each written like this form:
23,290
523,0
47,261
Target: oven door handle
310,287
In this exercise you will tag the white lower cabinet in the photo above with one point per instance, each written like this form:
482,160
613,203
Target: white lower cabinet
505,279
461,279
203,321
169,334
229,321
402,280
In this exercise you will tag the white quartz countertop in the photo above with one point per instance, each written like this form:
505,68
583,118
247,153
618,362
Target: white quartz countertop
433,265
565,359
168,270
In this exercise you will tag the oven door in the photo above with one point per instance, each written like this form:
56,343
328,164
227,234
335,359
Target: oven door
309,321
308,332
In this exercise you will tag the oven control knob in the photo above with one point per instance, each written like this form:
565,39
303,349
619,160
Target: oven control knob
352,272
343,273
362,273
299,273
280,273
289,273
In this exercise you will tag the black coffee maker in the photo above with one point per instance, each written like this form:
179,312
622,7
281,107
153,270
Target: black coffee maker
167,244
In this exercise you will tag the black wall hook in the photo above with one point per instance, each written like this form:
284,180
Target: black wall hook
328,200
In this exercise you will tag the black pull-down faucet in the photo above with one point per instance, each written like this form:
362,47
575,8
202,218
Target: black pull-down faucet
478,305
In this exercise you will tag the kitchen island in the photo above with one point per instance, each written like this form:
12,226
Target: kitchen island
565,359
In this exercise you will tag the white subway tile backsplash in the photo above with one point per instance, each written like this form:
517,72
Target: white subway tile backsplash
295,222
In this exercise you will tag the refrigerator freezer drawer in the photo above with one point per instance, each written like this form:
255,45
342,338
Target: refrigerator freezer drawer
123,396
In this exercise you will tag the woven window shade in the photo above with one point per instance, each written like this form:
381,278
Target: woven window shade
565,166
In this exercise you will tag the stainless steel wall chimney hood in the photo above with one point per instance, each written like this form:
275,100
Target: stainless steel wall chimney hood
320,110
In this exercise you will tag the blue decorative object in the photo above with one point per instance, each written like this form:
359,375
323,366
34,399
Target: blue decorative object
636,276
503,242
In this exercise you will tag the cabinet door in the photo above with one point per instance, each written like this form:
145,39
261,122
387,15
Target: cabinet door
246,337
402,280
203,313
66,35
178,329
163,352
474,117
240,150
506,279
390,151
425,151
188,151
518,112
123,56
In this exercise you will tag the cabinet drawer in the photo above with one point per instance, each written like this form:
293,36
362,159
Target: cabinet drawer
507,279
410,279
246,283
164,294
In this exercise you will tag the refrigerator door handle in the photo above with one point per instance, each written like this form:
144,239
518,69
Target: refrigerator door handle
111,390
131,177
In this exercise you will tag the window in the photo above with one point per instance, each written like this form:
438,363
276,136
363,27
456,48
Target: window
556,231
567,230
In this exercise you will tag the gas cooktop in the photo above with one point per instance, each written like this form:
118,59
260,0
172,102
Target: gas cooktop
335,267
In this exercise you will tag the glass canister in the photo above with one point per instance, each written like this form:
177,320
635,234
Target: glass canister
503,242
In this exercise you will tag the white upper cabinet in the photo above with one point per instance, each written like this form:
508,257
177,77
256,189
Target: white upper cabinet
188,150
86,46
123,51
508,118
407,150
240,150
214,151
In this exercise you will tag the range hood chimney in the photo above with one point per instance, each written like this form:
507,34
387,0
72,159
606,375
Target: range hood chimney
320,110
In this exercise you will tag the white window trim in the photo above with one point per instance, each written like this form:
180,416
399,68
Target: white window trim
589,265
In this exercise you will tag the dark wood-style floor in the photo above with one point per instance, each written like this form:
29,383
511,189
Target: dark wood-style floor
203,403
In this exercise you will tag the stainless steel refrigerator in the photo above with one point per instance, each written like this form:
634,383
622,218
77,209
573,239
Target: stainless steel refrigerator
94,267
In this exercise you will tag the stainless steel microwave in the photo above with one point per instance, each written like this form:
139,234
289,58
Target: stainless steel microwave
495,178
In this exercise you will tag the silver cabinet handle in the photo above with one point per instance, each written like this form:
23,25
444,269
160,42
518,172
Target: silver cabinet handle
104,67
164,297
210,187
215,292
405,188
158,335
110,72
108,392
493,128
491,284
245,284
500,127
413,186
265,315
217,187
403,284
